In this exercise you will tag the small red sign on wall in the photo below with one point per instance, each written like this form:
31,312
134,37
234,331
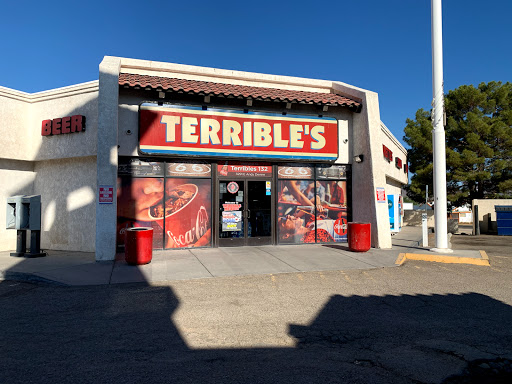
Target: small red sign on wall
106,194
381,195
388,154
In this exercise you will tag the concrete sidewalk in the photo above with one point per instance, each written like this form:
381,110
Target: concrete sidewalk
78,268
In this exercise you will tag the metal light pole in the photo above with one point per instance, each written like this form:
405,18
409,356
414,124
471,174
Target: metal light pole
438,135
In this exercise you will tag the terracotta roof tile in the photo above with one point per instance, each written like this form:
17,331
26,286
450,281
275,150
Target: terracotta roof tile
232,90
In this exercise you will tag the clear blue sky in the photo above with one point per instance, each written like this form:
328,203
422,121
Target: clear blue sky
383,46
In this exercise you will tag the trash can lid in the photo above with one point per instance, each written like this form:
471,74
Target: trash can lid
139,229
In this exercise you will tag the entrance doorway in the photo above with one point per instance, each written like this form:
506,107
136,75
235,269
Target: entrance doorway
245,212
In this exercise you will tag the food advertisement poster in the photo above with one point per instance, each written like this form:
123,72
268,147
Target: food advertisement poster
187,213
178,209
135,198
310,211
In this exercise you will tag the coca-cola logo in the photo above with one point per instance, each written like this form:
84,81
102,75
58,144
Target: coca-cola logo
193,234
340,227
201,222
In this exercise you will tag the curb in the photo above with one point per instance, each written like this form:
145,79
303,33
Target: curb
483,261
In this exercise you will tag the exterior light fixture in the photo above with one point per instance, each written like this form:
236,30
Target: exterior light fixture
359,158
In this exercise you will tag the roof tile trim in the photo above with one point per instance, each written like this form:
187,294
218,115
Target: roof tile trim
240,91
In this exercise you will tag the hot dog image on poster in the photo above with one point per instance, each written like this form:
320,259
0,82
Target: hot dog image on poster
312,211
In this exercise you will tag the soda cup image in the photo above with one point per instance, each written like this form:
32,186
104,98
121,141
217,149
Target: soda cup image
185,216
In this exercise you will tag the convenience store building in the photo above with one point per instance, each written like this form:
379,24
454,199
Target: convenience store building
206,157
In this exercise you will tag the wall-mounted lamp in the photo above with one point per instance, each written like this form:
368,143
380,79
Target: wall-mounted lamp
359,158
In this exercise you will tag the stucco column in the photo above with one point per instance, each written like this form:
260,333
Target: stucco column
108,100
369,174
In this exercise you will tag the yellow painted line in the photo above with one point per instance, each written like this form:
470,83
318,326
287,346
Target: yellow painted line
484,261
401,259
484,255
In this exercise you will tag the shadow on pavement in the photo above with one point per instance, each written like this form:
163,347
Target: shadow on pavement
126,334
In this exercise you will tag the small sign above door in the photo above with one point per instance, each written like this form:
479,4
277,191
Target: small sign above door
245,169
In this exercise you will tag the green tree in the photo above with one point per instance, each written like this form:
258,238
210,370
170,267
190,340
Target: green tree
478,145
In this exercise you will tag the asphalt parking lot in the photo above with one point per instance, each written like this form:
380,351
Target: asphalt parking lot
419,323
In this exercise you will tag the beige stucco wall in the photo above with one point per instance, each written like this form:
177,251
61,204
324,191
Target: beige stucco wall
22,114
68,191
487,214
389,168
83,101
60,168
15,111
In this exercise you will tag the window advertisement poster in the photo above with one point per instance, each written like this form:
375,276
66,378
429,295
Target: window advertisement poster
331,220
312,211
188,169
332,172
139,167
296,212
295,172
187,213
136,199
177,208
231,221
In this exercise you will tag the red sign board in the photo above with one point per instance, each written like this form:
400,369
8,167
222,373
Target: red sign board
381,195
388,154
245,169
221,133
106,194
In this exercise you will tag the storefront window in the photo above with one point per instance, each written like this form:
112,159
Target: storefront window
296,212
187,212
177,206
332,220
140,191
312,209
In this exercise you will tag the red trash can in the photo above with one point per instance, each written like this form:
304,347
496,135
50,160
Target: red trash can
359,237
138,246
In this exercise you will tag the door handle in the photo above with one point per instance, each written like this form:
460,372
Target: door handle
248,213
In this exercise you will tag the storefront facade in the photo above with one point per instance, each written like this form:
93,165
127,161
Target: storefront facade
207,158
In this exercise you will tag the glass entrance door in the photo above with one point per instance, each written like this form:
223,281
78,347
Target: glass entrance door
245,212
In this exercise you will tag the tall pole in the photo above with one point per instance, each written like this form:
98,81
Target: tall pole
438,135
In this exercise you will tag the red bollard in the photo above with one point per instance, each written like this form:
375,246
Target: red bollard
138,248
359,237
